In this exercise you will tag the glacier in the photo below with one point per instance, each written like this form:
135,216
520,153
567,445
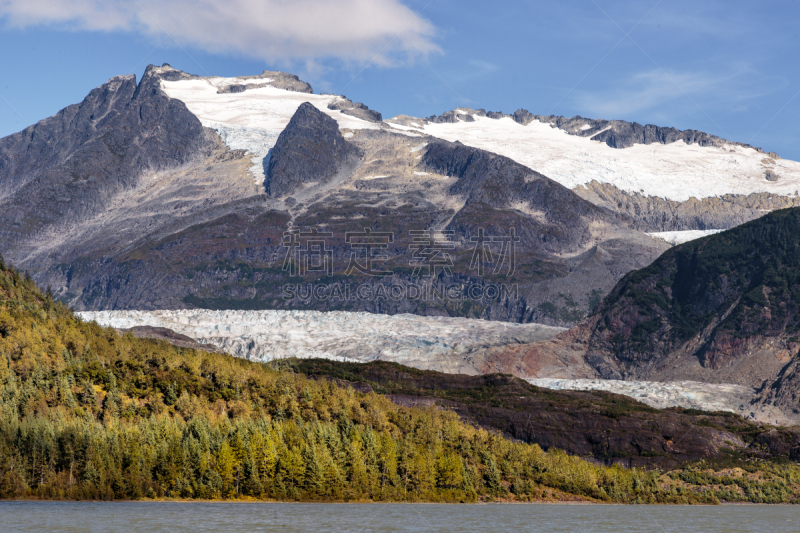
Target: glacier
253,119
444,344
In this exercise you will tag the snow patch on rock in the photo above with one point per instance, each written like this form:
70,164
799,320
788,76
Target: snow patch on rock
253,119
680,237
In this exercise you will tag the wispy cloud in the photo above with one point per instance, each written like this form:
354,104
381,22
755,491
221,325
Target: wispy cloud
384,32
656,89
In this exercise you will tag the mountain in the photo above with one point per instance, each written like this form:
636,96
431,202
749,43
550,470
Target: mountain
69,167
721,309
253,192
246,176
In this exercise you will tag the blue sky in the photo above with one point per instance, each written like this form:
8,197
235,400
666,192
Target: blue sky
729,68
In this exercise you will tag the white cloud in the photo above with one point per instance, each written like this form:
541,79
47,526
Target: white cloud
273,30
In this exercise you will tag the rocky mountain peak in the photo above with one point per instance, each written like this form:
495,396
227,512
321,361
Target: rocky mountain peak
310,150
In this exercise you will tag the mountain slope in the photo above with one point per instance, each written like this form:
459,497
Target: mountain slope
721,309
71,165
719,297
205,232
206,208
310,150
607,427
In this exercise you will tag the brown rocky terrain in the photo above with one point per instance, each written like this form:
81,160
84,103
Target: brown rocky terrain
166,334
660,214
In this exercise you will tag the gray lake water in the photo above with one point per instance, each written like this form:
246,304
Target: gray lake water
146,517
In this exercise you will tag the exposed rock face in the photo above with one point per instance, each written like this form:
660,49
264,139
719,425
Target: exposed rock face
310,150
71,164
286,81
615,133
623,134
661,214
562,221
462,114
269,78
165,334
356,110
523,116
433,343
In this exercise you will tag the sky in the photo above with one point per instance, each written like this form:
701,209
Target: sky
730,68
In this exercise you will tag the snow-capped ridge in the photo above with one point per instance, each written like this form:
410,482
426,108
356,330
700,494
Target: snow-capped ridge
251,119
675,171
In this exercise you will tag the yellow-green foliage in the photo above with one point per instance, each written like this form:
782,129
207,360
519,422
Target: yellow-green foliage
88,413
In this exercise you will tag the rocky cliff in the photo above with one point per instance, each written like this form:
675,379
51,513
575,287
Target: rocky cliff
70,166
310,150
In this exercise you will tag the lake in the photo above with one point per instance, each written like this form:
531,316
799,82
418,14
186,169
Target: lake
145,517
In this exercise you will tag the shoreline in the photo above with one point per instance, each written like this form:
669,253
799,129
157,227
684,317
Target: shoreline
253,501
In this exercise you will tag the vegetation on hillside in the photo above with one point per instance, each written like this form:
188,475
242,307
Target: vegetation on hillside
747,278
607,427
88,413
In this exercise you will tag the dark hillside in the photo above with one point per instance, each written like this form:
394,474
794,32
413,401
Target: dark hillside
725,309
606,427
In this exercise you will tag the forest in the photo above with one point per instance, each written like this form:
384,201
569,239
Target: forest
89,413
